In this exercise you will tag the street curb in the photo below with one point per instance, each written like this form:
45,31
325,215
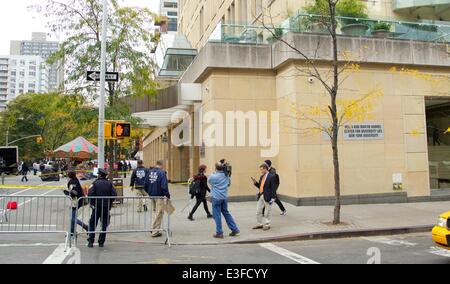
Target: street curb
309,236
342,234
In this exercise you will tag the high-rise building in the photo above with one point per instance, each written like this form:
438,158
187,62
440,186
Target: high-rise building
169,9
4,70
21,74
39,46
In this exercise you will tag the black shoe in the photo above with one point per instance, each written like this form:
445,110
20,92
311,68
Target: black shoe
190,217
101,245
90,245
235,234
209,216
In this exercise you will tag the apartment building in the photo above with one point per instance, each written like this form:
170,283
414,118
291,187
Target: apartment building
40,46
399,152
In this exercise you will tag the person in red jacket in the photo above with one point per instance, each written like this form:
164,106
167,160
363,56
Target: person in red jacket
200,193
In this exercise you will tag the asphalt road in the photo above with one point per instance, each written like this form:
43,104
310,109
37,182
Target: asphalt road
402,249
36,249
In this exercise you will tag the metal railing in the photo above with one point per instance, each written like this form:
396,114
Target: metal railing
34,215
59,214
260,33
124,215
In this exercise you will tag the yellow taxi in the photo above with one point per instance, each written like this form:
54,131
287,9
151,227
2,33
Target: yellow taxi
441,232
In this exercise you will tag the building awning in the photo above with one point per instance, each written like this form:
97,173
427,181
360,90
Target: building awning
162,118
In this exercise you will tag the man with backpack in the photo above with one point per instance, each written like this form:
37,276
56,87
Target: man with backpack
138,179
198,189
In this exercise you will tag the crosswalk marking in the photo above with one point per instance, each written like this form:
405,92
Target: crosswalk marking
391,242
288,254
439,251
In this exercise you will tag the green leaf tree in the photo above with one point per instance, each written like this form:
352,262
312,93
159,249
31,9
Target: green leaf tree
128,46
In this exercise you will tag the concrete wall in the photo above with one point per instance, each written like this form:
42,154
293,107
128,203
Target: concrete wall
304,161
231,90
367,166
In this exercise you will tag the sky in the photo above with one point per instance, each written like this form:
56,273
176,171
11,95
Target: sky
18,22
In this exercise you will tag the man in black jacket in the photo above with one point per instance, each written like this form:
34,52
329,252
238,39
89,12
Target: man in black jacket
277,182
266,197
101,207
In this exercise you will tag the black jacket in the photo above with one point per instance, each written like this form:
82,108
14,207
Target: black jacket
270,187
203,186
77,191
102,188
276,177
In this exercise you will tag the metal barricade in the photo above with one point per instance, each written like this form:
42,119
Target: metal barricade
131,215
35,215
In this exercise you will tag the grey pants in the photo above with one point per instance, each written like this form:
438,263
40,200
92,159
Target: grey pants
263,212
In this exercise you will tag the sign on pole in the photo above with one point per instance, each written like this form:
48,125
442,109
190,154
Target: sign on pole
94,76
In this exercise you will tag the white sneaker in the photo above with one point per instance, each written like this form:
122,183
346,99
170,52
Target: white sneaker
284,213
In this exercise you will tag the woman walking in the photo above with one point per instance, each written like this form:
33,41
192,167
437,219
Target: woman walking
75,192
199,189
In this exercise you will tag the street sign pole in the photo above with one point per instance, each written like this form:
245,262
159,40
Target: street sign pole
101,117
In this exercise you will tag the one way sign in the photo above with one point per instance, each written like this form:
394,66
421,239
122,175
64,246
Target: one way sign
94,76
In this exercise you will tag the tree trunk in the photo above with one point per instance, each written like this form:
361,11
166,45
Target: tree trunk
334,115
337,176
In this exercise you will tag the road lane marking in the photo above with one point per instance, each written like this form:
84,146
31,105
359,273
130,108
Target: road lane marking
30,225
22,191
389,241
31,200
439,251
28,245
288,254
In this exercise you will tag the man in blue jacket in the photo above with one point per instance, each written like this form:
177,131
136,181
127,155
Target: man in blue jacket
220,182
138,179
157,186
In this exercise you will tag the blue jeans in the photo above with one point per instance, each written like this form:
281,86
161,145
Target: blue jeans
220,207
74,221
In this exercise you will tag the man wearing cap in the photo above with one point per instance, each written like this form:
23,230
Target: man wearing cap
277,183
101,207
157,187
266,197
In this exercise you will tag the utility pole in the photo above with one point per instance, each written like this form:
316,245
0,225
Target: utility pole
101,117
7,136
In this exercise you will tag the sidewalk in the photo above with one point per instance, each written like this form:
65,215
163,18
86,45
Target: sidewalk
300,223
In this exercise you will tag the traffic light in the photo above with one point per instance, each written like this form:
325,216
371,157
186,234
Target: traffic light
108,130
123,130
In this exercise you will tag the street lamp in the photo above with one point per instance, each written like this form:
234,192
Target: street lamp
7,132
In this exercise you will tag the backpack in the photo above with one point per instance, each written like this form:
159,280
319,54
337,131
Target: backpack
194,187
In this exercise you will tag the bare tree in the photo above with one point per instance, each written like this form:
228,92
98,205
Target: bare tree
330,81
